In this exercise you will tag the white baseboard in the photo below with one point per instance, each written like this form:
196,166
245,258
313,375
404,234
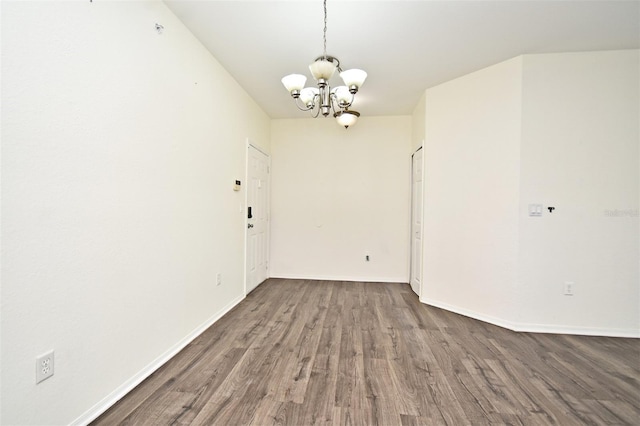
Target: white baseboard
102,406
403,280
535,328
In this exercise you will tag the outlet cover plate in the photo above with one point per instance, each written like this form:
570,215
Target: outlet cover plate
44,366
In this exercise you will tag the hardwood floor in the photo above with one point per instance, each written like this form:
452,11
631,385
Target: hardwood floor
317,352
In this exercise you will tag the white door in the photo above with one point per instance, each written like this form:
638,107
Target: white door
416,221
257,258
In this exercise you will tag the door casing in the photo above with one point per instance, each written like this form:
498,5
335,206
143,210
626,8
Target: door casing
417,178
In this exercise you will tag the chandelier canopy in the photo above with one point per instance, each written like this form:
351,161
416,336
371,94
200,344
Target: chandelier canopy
323,99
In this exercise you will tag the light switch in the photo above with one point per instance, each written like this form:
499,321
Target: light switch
535,209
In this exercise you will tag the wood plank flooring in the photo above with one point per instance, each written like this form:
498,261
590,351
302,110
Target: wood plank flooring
301,352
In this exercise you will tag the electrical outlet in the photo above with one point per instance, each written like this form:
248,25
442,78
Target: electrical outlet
218,278
44,366
568,288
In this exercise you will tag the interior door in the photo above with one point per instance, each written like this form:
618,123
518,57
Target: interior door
257,257
416,221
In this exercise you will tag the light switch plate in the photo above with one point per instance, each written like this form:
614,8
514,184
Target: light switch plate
535,210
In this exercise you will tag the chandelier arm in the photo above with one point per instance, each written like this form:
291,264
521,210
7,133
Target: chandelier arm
317,110
315,103
303,107
337,62
353,98
334,102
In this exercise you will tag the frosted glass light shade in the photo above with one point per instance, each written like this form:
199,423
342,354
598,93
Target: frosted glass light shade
307,94
353,77
343,96
294,82
322,69
347,118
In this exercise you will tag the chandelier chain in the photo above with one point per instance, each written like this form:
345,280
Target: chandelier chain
325,28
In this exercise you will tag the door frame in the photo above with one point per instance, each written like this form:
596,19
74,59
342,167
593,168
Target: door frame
411,245
250,145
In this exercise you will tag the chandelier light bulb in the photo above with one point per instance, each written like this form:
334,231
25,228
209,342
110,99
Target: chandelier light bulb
343,96
307,96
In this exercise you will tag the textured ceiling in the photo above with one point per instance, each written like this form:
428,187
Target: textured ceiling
405,46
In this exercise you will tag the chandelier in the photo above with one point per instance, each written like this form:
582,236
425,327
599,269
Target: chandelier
323,99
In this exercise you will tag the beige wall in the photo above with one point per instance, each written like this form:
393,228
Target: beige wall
560,130
580,136
119,150
471,177
338,195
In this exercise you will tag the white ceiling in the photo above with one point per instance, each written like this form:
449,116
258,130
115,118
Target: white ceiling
405,46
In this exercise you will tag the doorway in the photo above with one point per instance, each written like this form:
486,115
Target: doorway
257,243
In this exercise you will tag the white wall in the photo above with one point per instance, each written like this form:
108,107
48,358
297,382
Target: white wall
338,195
561,130
471,191
580,137
119,150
